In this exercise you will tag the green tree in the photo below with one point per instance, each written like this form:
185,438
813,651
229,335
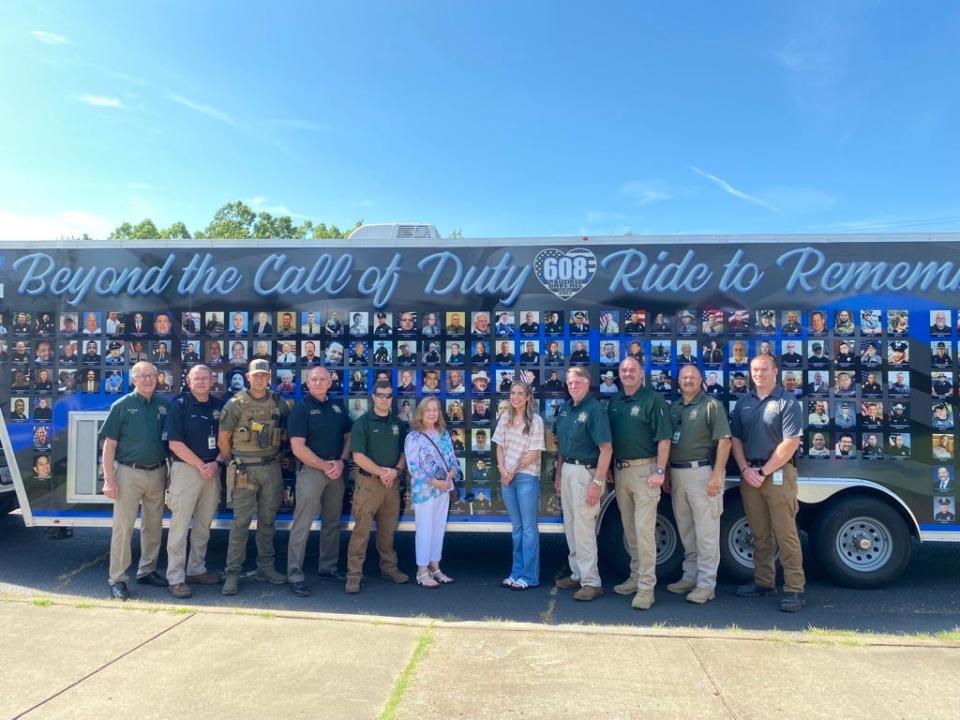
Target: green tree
177,231
234,221
231,222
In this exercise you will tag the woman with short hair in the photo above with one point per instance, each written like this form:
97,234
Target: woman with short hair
433,469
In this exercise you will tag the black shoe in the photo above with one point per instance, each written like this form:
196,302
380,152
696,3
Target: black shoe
752,590
300,589
118,591
792,602
154,578
335,576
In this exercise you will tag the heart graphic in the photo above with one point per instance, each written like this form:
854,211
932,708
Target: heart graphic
565,273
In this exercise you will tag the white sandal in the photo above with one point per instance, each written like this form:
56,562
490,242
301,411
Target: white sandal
508,582
426,580
441,577
520,584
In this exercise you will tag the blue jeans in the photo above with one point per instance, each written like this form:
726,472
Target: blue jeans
522,498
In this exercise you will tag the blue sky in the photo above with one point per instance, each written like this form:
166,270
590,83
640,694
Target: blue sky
499,118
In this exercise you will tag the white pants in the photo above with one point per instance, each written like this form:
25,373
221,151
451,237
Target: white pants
431,521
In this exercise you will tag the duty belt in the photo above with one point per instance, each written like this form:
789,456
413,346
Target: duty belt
691,465
139,466
632,462
589,464
255,460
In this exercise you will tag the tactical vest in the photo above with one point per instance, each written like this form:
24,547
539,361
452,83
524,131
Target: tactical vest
259,432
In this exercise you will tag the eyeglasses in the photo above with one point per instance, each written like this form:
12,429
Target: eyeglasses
383,396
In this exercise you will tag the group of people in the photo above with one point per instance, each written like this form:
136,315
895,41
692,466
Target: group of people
646,445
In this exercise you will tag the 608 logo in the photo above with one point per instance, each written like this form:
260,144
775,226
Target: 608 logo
565,273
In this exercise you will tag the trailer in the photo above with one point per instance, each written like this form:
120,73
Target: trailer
866,330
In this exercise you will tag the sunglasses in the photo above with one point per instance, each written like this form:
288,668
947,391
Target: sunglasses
383,396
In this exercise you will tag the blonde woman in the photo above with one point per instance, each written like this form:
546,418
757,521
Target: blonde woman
433,471
519,440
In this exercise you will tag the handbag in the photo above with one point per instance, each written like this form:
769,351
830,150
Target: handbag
458,475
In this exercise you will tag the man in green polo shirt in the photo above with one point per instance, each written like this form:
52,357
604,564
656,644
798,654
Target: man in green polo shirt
698,459
133,437
640,425
320,440
583,458
376,441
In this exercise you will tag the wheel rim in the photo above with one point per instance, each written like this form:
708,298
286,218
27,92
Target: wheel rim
864,544
740,543
665,535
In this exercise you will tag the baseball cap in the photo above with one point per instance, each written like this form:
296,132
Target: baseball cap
481,375
259,366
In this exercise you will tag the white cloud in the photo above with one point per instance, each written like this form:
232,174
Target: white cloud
730,189
208,110
49,38
70,223
259,203
301,124
102,101
646,193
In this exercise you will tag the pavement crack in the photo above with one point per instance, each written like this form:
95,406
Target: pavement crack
66,578
101,668
713,682
546,617
405,679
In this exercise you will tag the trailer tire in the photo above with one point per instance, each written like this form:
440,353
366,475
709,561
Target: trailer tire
736,542
614,557
861,542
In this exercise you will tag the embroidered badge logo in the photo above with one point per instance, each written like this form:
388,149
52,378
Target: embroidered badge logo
565,273
771,407
634,411
336,409
582,417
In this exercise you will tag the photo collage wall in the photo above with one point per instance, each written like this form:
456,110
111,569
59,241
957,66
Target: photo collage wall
851,369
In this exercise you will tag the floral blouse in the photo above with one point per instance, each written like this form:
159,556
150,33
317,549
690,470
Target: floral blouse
426,464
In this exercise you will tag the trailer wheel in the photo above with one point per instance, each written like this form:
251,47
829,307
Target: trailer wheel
736,542
613,546
861,542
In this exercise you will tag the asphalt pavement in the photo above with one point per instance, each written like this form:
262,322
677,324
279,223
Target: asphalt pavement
925,599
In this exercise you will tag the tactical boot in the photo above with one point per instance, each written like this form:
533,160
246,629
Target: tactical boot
700,596
643,600
681,586
627,587
568,583
231,582
271,575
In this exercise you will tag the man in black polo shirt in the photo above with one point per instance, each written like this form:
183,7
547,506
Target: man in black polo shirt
319,430
376,441
583,457
133,437
191,427
767,425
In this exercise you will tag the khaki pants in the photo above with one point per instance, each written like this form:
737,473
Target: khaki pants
580,523
190,497
638,510
316,495
263,498
371,500
772,513
133,488
698,522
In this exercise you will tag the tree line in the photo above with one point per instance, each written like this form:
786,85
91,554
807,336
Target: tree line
235,220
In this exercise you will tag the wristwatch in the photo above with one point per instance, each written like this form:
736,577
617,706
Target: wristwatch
598,482
659,470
